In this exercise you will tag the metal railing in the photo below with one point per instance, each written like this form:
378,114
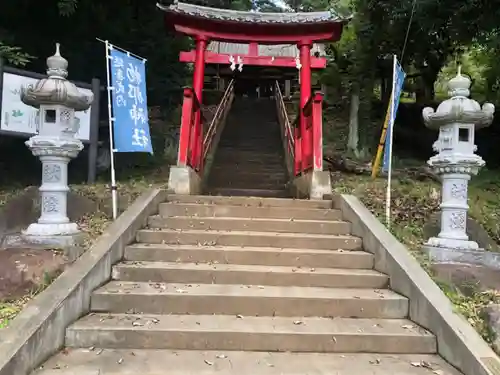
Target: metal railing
218,119
302,138
287,131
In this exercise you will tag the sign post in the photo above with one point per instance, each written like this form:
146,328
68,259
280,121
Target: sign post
20,120
398,78
127,107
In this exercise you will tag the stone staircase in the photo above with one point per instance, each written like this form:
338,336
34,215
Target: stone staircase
250,286
249,159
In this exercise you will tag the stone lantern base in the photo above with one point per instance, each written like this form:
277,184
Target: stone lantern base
72,245
57,235
479,256
52,230
452,243
450,250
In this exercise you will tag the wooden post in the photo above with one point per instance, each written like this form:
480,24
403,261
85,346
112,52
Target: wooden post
94,132
323,91
305,94
198,80
185,132
288,88
317,131
222,84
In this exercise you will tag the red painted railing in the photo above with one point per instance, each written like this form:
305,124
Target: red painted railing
303,141
191,135
218,121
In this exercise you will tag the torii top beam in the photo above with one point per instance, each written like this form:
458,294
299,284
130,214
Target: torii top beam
263,28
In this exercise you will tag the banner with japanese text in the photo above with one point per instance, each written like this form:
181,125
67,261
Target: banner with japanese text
129,103
398,81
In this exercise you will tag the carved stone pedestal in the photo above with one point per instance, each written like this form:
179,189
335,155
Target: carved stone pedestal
55,155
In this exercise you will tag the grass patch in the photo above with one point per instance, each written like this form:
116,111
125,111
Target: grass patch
10,308
92,224
413,202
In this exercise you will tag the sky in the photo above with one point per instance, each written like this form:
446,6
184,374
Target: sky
280,3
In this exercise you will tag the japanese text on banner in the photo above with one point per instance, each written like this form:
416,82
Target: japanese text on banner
399,78
129,103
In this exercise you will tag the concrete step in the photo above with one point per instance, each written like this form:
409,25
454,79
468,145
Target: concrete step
206,273
251,159
257,150
253,174
252,224
248,172
248,300
263,212
249,238
237,173
263,186
246,175
180,362
260,154
235,192
249,153
249,256
240,144
225,332
251,201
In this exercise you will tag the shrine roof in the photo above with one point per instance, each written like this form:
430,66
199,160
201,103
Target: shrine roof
229,15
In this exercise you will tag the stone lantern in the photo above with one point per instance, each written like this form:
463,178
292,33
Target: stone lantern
456,119
55,144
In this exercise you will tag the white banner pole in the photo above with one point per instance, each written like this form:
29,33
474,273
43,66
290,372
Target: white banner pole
114,192
391,136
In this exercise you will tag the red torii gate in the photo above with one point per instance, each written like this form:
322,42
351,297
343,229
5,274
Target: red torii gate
205,24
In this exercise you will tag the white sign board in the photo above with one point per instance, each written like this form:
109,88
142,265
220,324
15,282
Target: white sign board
17,117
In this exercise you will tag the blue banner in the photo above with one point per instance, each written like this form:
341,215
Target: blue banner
398,81
129,103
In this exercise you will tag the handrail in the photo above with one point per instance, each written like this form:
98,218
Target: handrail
218,119
286,128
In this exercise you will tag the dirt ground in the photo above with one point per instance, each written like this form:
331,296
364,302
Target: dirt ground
468,276
22,271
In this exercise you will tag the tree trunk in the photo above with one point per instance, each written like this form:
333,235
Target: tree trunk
353,138
385,90
425,92
367,130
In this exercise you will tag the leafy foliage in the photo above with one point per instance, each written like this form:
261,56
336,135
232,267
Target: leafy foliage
14,55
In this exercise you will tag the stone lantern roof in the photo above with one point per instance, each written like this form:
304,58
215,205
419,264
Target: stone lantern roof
459,108
56,89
